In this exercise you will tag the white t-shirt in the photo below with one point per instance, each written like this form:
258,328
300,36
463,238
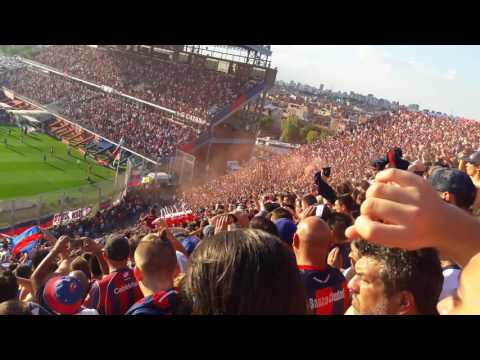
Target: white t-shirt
86,311
450,282
182,262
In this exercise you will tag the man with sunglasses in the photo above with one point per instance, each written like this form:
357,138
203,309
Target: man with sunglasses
116,292
155,268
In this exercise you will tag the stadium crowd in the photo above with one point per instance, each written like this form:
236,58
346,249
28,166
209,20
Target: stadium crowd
377,220
143,129
424,140
43,88
190,89
8,63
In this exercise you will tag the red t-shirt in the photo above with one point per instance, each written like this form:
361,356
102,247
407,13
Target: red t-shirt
115,293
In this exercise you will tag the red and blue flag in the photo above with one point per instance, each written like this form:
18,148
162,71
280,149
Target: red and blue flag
25,242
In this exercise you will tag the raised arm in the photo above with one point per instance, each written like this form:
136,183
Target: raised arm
403,210
41,273
91,246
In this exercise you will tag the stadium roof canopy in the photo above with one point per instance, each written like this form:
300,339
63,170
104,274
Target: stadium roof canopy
261,49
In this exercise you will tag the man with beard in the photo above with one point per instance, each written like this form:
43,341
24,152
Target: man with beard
390,281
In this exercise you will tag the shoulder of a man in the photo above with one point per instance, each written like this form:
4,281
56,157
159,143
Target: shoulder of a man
97,292
141,307
37,309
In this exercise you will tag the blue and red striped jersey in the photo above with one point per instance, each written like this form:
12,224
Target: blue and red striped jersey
115,293
161,303
327,291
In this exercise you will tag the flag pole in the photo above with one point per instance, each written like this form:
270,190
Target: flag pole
118,165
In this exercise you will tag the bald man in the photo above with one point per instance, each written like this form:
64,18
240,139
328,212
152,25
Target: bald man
326,287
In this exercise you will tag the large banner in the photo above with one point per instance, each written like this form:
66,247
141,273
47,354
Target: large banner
70,216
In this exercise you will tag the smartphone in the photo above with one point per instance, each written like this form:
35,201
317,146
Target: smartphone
327,171
76,243
319,210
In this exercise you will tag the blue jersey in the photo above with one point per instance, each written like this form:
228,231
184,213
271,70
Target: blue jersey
160,303
327,291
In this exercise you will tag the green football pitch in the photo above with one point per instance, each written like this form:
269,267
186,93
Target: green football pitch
24,172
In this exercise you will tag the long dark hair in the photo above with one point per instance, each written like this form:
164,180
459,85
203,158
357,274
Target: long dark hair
243,272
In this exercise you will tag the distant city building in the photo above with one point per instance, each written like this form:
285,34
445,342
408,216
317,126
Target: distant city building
413,107
321,87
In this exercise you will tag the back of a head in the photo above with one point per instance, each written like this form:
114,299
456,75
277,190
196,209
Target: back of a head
8,286
14,307
94,266
155,256
79,263
344,188
281,213
309,200
339,222
418,272
241,272
457,183
270,206
261,223
117,248
38,256
23,271
314,235
347,201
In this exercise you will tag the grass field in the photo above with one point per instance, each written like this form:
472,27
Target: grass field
23,171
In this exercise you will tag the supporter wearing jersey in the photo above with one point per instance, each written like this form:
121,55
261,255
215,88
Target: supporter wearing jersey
326,287
155,267
116,292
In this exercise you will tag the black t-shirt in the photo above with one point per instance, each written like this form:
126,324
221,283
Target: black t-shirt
327,292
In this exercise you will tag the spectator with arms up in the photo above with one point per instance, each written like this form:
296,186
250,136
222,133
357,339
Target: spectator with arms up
116,292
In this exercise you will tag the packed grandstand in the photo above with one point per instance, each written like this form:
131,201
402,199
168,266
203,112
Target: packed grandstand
300,233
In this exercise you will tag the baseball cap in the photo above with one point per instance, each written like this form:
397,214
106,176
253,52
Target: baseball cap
473,158
453,181
64,295
117,248
270,206
379,164
190,243
286,228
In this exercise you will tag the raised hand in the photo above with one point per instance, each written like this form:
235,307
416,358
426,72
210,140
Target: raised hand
403,210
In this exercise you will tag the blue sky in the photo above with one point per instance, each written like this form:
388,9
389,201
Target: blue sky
441,78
